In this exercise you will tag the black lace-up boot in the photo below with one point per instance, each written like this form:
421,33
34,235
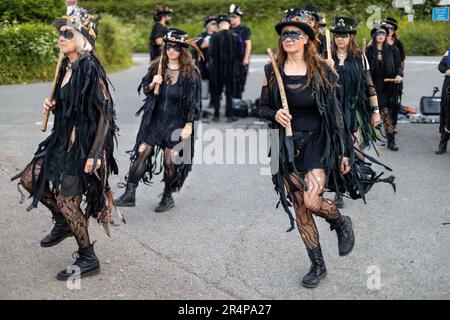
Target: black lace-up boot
128,199
318,271
86,264
344,231
391,142
166,203
59,232
442,144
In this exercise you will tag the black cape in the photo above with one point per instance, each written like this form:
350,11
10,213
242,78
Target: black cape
190,96
339,143
94,118
224,61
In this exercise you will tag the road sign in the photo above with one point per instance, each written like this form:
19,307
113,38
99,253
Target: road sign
440,14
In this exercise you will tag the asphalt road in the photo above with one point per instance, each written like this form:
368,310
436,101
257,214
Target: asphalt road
225,239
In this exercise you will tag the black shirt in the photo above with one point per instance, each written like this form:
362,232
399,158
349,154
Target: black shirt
400,48
202,64
244,34
158,31
301,102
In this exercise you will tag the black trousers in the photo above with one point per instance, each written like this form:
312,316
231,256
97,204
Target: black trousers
215,102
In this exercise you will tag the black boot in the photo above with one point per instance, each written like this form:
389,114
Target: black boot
59,232
165,204
216,118
344,231
442,144
391,142
232,119
128,199
317,271
86,264
339,201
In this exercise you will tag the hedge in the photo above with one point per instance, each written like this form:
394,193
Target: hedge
261,15
419,38
193,10
29,50
31,11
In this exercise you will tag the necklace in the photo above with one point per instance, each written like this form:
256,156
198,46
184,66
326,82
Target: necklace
173,69
341,55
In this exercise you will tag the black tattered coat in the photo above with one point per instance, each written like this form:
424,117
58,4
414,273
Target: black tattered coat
338,143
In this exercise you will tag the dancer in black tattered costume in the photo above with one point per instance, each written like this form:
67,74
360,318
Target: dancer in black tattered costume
166,130
356,92
76,159
320,156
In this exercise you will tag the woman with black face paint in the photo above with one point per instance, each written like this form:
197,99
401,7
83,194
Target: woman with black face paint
387,74
319,155
166,129
356,92
73,164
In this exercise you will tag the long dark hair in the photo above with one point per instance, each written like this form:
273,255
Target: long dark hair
352,49
316,66
187,64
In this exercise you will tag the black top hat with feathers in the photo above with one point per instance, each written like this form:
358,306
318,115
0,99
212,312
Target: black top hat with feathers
81,20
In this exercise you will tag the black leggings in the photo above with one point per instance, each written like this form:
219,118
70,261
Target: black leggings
307,203
139,166
68,206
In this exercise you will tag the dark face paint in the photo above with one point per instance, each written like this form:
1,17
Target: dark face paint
293,35
174,46
67,34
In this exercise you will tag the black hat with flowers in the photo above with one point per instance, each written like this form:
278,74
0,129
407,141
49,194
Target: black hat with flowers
392,22
379,26
313,9
344,25
81,20
177,36
300,18
182,38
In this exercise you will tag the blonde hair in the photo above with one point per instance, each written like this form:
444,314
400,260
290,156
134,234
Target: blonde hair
83,44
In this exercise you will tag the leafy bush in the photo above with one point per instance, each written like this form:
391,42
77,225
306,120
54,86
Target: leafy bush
261,16
115,43
29,51
193,10
31,11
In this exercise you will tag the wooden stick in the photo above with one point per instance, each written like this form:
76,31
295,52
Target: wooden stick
363,53
52,92
156,91
328,38
284,103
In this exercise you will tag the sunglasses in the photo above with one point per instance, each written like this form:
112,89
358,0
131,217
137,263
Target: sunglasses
67,34
341,35
380,33
173,46
293,35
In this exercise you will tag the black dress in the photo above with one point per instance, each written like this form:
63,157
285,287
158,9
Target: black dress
167,118
356,86
306,124
385,64
445,101
338,141
84,127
